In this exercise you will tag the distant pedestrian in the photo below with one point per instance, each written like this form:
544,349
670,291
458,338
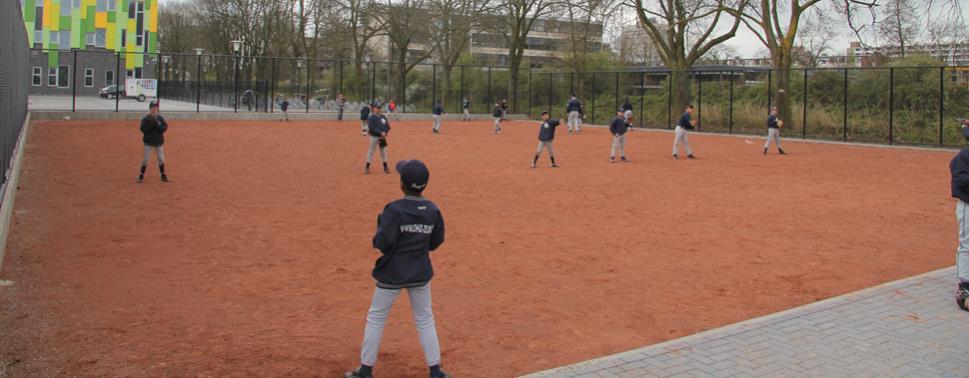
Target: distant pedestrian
496,114
774,125
436,112
618,128
466,107
392,106
574,110
504,109
284,106
364,115
686,123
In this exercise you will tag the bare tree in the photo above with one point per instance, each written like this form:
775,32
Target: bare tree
683,31
450,31
584,25
514,20
900,26
814,40
405,24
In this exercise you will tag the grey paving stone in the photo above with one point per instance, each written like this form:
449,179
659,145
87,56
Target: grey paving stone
906,328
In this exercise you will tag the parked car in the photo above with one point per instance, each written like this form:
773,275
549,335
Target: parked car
111,91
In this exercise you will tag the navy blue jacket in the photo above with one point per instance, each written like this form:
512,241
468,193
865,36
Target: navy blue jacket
772,122
284,105
959,167
573,105
618,126
438,109
153,129
685,121
465,104
546,132
377,124
407,231
497,112
364,112
627,106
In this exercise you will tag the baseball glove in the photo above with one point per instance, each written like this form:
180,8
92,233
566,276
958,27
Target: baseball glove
780,123
383,142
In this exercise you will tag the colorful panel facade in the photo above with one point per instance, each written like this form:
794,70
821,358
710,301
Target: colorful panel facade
124,26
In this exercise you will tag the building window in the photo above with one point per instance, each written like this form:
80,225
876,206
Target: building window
140,25
100,36
102,5
51,77
124,37
137,72
131,9
77,4
65,8
130,74
146,41
38,36
108,77
111,5
90,39
63,39
35,77
64,77
88,77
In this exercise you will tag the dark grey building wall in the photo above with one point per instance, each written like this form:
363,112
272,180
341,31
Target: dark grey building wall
100,62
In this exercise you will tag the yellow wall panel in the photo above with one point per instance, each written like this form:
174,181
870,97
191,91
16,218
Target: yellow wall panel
110,39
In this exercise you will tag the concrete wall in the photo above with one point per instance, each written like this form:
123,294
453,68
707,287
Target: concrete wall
350,118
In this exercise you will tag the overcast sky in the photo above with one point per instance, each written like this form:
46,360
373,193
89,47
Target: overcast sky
748,46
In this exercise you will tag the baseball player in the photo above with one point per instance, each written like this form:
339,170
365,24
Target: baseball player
574,109
466,106
364,117
408,230
774,131
392,106
378,127
437,111
497,114
627,110
340,103
546,134
686,123
284,106
618,128
959,167
153,127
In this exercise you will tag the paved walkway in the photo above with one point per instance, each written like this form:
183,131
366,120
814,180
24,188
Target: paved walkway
910,327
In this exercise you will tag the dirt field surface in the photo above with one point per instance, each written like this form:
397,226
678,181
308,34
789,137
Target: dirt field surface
255,260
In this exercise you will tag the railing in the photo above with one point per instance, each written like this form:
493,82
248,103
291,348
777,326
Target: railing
14,81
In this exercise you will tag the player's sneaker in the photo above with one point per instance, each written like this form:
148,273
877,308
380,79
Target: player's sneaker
690,156
555,165
612,159
356,374
962,295
164,178
765,151
781,151
141,179
499,131
623,158
533,165
366,170
676,157
386,170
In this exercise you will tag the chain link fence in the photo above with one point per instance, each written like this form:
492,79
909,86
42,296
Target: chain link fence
14,81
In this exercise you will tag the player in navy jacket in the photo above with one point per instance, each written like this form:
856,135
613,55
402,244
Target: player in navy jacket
437,111
574,110
959,168
153,127
466,106
618,128
408,229
774,131
377,127
497,114
546,134
686,123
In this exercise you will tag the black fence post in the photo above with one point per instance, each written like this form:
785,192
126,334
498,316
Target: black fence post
572,83
941,104
617,90
341,77
235,90
804,106
669,100
117,84
699,101
530,94
198,82
642,94
74,84
433,84
891,105
730,119
550,93
594,97
272,87
491,96
770,86
462,91
307,110
844,127
373,80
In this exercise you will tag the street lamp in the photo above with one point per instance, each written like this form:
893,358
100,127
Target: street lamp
236,51
165,67
198,78
373,74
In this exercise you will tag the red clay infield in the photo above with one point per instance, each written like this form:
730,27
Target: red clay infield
255,261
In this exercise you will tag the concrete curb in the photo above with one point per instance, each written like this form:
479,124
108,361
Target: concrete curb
729,330
10,189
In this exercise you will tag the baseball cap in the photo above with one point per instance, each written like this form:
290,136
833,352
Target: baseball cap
153,104
414,174
965,129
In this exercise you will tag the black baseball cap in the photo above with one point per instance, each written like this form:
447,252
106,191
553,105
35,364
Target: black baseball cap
965,129
414,174
153,104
